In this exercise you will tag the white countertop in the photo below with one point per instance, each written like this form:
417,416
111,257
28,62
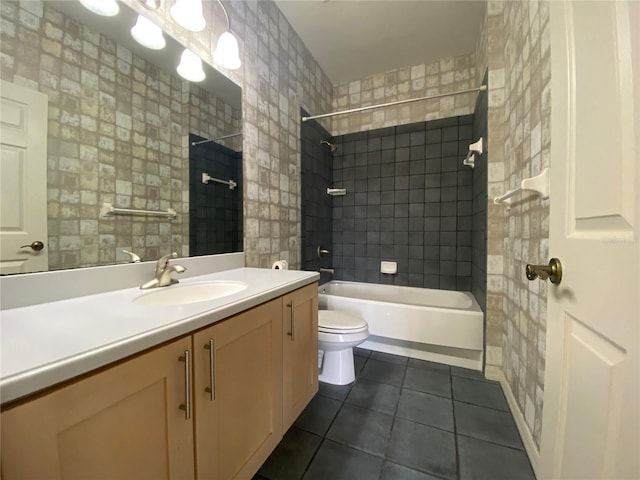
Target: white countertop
44,344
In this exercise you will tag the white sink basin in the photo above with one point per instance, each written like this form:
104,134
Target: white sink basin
191,293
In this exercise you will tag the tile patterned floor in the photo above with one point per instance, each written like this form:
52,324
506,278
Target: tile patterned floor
403,419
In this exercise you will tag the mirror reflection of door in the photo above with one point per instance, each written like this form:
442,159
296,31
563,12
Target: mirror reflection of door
23,167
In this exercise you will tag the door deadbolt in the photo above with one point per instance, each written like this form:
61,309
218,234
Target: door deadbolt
553,271
36,245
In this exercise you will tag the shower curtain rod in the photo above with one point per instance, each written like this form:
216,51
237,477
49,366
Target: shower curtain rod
390,104
216,139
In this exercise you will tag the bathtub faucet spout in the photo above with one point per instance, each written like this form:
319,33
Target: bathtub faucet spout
327,270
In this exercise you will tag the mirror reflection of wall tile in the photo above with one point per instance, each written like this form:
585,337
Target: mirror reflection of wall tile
211,117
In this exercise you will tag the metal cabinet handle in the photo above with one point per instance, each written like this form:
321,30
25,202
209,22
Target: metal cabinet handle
212,366
553,271
186,406
291,333
36,245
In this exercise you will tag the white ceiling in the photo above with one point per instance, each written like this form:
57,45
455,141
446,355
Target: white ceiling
351,39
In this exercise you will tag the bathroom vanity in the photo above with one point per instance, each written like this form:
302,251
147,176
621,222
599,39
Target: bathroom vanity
210,398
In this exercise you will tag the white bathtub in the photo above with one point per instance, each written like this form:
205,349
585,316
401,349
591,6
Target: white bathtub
439,325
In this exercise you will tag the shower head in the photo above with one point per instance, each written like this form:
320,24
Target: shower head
330,145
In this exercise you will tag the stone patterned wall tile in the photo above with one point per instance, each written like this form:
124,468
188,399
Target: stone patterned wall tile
442,76
519,117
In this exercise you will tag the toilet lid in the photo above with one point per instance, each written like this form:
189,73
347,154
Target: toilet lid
331,320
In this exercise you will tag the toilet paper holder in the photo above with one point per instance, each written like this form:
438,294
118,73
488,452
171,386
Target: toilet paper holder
280,265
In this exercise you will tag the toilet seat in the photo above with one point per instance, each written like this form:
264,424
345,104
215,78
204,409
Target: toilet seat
342,331
331,321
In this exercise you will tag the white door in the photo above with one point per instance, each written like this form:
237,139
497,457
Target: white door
23,179
591,426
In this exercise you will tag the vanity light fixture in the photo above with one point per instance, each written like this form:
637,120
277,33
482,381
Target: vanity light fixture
190,67
148,34
188,14
106,8
227,52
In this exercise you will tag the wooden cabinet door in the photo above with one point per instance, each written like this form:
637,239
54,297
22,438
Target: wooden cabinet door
300,351
238,409
123,422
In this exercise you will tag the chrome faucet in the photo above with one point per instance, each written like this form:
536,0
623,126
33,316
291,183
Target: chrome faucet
134,258
163,272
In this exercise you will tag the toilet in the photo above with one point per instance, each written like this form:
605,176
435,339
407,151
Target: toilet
338,333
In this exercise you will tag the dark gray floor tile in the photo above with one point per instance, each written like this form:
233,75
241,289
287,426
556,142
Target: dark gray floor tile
292,455
361,352
392,471
481,460
487,424
318,415
383,372
428,381
358,364
362,429
427,449
426,409
337,392
339,462
387,357
468,373
374,396
417,363
485,394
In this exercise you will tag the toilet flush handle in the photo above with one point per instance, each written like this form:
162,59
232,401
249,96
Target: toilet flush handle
290,305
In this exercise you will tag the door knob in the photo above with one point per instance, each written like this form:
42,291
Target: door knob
36,245
553,271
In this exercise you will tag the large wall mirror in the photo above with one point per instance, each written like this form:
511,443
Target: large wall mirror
120,128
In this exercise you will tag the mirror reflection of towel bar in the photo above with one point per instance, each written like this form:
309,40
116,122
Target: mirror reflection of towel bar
108,209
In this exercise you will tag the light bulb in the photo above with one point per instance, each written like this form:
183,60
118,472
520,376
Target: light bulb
188,14
227,52
190,67
148,34
106,8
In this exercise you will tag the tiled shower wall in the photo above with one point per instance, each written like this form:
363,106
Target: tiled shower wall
317,176
447,74
409,200
519,122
